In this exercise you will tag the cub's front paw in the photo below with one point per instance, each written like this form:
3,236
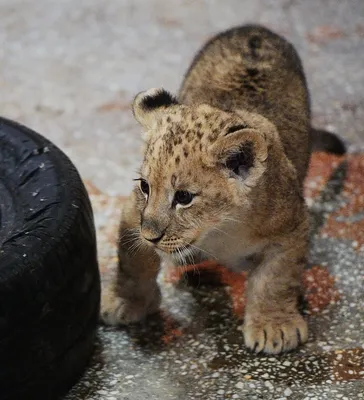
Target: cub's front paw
274,335
116,310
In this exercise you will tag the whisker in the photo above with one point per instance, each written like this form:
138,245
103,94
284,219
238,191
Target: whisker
132,250
195,268
182,259
231,219
126,238
131,232
203,251
135,247
189,256
129,240
220,230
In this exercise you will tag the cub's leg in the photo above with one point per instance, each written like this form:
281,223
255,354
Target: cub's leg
272,322
134,293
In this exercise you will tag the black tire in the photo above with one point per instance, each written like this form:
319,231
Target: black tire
49,277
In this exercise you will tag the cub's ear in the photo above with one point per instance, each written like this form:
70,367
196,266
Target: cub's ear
147,105
242,151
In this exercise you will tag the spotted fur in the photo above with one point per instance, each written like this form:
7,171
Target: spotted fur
237,142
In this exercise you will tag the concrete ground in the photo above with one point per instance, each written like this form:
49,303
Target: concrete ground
69,69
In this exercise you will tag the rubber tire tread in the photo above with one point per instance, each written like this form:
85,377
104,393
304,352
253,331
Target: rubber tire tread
49,276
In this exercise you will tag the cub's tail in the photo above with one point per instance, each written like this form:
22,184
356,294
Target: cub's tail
327,141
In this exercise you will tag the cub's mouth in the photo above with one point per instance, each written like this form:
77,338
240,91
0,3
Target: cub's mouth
180,254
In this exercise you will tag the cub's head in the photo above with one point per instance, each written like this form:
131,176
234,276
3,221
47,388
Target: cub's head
200,164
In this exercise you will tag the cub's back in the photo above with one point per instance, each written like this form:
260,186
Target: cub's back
252,68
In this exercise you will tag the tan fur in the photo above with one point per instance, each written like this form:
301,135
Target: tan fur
245,94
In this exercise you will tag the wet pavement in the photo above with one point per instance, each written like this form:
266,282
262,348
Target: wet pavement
70,70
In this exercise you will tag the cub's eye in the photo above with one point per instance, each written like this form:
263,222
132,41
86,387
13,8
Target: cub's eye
144,187
183,197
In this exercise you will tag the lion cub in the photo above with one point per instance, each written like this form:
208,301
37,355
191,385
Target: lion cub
222,178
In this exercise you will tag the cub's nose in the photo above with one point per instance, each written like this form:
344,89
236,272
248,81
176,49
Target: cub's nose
153,239
152,230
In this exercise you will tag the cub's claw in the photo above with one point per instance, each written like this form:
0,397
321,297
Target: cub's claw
285,333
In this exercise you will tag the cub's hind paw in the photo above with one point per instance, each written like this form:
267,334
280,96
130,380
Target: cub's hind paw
266,335
117,311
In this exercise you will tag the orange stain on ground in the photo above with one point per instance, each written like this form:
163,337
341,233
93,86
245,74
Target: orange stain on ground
171,331
321,167
348,221
319,288
319,285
